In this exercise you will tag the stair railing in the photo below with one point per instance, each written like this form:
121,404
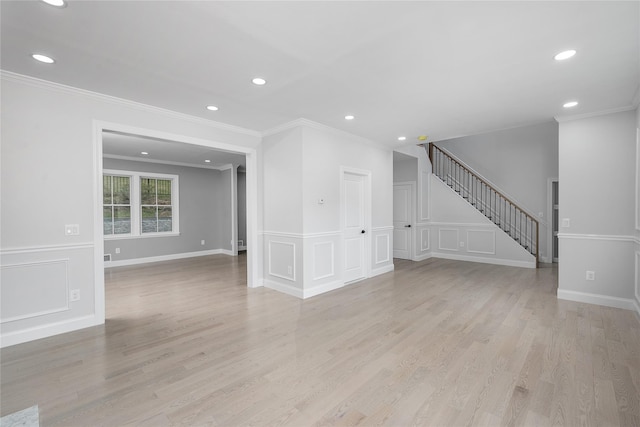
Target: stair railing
498,208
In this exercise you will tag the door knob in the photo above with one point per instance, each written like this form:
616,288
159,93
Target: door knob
362,231
408,226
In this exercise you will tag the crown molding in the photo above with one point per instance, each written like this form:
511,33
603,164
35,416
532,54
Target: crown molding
166,162
562,119
58,87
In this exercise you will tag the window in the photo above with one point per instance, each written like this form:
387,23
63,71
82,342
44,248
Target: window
138,204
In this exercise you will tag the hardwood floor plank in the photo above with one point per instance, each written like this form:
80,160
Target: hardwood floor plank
435,343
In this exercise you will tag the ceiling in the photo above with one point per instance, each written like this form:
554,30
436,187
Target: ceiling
411,68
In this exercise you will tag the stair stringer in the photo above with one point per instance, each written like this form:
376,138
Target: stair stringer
450,213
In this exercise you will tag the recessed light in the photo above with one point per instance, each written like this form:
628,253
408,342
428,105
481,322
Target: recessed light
259,81
56,3
564,55
43,58
144,153
349,117
212,108
402,138
207,161
570,104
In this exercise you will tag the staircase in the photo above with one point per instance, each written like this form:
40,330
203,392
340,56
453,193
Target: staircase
512,219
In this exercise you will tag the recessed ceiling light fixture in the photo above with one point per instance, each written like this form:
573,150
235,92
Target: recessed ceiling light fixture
349,117
43,58
402,138
259,81
144,153
564,55
212,108
570,104
207,161
56,3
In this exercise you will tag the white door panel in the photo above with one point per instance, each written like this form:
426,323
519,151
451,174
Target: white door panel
402,220
354,226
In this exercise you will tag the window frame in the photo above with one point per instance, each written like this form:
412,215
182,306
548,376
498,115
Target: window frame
136,205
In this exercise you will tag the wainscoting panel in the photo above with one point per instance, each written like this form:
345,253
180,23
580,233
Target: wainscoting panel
323,260
425,237
382,249
448,239
34,289
282,260
481,241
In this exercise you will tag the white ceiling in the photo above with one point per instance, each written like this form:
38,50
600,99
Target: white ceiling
442,69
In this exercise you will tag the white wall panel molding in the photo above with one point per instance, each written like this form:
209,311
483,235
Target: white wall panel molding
484,260
382,249
481,241
611,238
324,265
57,87
281,258
448,239
136,261
301,235
46,248
22,281
487,225
425,239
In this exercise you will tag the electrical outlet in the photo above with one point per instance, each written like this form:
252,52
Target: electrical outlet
462,244
71,229
289,270
566,222
591,275
202,242
117,250
74,295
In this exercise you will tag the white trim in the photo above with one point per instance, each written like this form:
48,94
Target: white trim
161,258
164,162
387,245
284,288
422,257
46,248
48,330
493,233
300,235
381,270
550,181
637,279
483,260
45,84
422,248
333,262
562,119
488,224
608,301
140,236
321,289
612,238
637,219
457,248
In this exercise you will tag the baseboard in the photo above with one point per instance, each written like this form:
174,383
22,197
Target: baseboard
161,258
608,301
242,248
45,331
285,289
496,261
422,257
226,252
321,289
636,305
381,270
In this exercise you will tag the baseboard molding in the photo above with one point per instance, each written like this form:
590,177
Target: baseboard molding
382,270
608,301
242,248
483,260
226,252
285,289
161,258
636,305
45,331
321,289
422,257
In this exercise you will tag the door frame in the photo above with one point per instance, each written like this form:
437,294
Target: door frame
550,258
367,217
254,252
412,217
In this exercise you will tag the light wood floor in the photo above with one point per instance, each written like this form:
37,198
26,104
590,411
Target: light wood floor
435,343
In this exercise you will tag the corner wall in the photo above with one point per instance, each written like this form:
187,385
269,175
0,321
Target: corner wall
597,209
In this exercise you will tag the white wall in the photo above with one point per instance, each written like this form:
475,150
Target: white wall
518,162
302,237
597,196
50,171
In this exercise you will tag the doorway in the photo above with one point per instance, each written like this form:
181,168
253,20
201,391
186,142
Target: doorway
403,196
356,224
554,214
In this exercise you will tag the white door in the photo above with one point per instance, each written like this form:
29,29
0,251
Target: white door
354,220
402,219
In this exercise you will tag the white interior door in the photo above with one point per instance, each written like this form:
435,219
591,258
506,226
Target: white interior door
402,220
354,220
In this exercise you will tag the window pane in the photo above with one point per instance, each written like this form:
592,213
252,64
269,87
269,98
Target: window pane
149,219
106,190
165,219
122,220
121,190
107,221
164,191
147,191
